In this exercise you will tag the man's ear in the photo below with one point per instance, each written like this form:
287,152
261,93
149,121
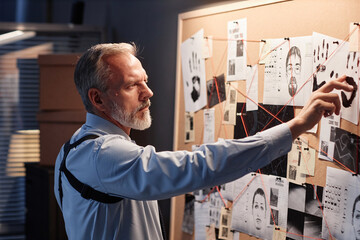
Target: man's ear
95,97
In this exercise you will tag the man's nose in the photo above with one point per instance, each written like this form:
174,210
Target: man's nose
146,92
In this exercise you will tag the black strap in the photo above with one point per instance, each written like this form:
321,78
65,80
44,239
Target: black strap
162,224
85,190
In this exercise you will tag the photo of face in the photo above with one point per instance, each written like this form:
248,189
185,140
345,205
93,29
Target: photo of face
356,218
293,69
195,93
259,209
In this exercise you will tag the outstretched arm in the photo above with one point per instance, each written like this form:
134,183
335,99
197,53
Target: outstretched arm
321,103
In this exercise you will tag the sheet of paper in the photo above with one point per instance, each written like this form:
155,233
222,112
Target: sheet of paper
312,227
314,196
304,214
233,190
329,59
207,47
252,80
201,214
273,79
327,136
341,206
193,70
288,69
295,159
261,206
215,209
209,125
230,104
236,61
236,235
307,165
332,59
354,39
347,149
297,195
189,127
266,48
210,233
350,100
314,129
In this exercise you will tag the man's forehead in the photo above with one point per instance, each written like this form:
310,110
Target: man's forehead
124,64
119,61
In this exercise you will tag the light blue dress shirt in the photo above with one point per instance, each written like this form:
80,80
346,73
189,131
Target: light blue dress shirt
114,164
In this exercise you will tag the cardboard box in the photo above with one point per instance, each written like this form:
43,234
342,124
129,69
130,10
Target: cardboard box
57,87
56,128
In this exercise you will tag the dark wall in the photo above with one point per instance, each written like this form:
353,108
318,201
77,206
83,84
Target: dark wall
151,24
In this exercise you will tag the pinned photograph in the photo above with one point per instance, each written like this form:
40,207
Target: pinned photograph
189,127
237,36
216,90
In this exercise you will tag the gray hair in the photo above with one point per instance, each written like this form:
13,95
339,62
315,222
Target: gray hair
293,51
92,71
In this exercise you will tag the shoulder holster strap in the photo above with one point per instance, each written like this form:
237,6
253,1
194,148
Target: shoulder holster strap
86,191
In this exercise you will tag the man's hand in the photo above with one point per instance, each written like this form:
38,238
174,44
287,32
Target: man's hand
321,103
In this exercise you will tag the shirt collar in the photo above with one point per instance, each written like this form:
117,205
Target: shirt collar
94,121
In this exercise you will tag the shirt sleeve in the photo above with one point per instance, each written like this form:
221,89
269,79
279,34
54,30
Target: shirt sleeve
128,170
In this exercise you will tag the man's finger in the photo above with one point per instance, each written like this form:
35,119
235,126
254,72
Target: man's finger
338,83
330,98
327,108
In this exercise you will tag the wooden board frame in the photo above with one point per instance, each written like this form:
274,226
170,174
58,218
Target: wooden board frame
333,19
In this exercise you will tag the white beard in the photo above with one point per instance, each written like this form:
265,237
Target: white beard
131,119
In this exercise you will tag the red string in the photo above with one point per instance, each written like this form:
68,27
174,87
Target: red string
317,69
317,197
275,117
221,196
218,95
207,196
246,186
300,235
337,161
221,110
260,106
233,39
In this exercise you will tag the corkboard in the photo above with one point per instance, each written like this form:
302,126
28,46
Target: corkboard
265,19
